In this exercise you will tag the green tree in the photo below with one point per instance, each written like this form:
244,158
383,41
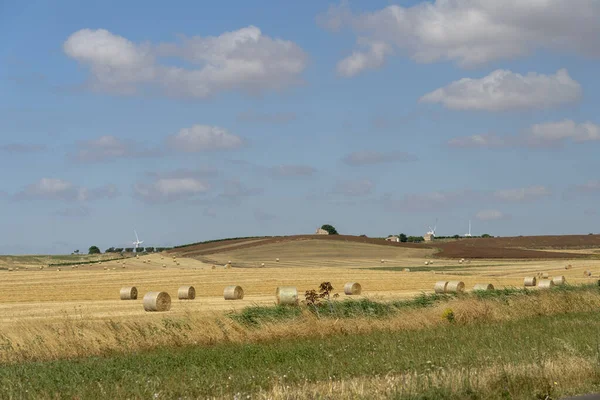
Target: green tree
330,229
403,238
94,250
485,235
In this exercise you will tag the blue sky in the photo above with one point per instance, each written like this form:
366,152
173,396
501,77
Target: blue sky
193,121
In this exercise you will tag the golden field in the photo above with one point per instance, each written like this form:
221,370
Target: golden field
92,292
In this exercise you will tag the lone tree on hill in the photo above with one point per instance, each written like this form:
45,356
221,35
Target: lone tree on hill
94,250
403,238
330,229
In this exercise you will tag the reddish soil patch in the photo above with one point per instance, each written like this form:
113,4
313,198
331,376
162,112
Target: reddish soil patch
521,247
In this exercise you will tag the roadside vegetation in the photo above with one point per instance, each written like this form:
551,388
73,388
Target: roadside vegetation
544,358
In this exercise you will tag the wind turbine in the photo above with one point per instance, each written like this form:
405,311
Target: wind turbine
137,240
432,231
469,234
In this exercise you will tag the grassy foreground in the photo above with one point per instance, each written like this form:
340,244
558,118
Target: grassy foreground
543,357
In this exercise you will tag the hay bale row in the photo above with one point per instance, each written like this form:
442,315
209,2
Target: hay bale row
157,301
559,280
440,286
352,288
449,287
286,295
233,293
129,293
530,281
483,286
186,293
545,284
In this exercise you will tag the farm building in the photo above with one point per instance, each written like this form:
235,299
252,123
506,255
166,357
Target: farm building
321,231
428,237
393,239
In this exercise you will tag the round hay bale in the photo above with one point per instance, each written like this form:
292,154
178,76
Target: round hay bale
129,293
164,265
227,266
545,284
426,262
559,280
382,260
233,293
406,270
287,295
440,286
17,268
277,260
262,265
545,275
41,267
568,266
587,273
214,267
58,269
352,288
530,281
483,286
10,269
186,293
455,287
157,301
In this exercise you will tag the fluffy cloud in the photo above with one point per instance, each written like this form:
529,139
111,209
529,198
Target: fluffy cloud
354,188
368,157
538,135
204,138
175,185
370,58
490,215
59,189
169,189
504,90
109,147
244,59
467,32
522,194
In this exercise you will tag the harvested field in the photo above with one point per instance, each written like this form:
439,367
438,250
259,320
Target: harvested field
90,292
522,247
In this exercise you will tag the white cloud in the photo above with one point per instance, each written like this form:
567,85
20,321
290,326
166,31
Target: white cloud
472,33
522,194
538,135
204,138
354,188
109,147
170,189
504,90
373,57
244,59
59,189
369,157
490,215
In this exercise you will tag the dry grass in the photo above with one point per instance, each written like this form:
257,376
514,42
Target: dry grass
496,381
79,335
